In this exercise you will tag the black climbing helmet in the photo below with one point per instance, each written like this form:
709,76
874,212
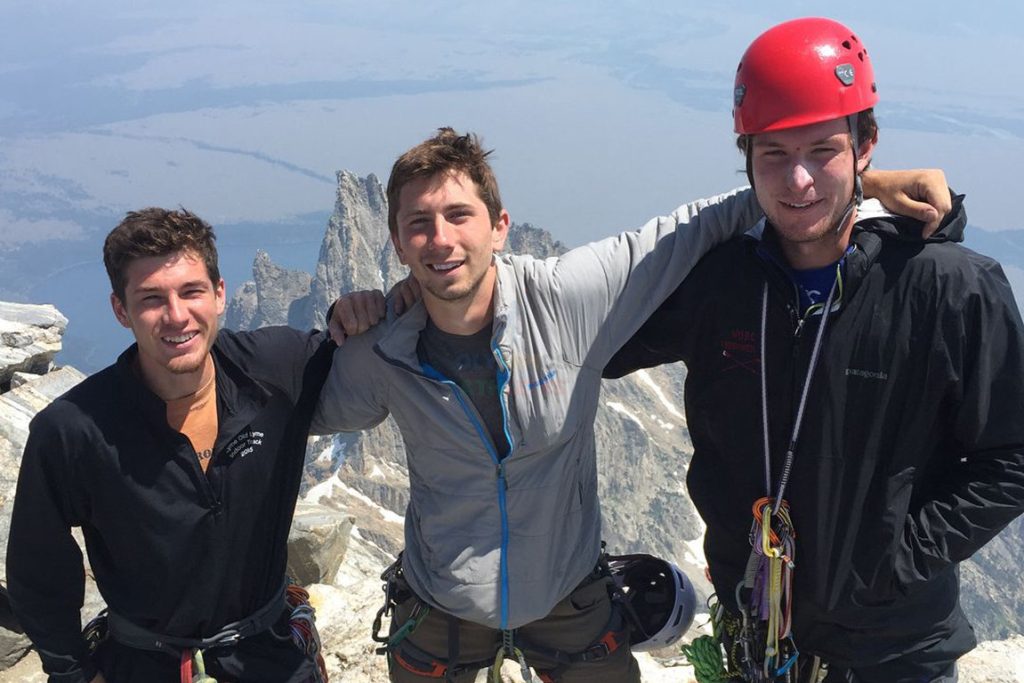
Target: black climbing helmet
660,599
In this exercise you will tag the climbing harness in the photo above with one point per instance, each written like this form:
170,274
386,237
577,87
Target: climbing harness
403,653
189,651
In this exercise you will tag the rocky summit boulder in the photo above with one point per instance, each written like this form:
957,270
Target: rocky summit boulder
317,543
29,339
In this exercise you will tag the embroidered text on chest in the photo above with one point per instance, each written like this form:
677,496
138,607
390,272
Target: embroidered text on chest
243,444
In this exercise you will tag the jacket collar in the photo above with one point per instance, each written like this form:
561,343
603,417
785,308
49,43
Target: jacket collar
134,391
398,338
873,226
239,398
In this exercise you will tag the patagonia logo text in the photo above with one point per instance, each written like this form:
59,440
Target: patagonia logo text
867,374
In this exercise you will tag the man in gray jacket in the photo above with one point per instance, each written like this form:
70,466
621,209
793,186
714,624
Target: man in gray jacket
494,380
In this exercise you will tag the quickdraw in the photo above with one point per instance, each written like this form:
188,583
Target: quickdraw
773,541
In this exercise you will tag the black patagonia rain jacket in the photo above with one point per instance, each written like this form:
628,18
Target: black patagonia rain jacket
911,455
172,550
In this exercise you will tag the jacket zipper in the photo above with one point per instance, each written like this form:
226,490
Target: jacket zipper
205,489
499,463
503,377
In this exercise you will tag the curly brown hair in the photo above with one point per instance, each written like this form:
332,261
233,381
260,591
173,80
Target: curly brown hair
157,232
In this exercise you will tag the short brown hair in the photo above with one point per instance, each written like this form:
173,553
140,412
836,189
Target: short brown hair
157,232
445,153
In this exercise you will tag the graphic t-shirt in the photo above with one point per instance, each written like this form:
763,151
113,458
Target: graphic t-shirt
467,360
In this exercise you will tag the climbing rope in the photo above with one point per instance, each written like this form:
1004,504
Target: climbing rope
303,628
705,653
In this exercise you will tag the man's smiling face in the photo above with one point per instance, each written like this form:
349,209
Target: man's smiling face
172,307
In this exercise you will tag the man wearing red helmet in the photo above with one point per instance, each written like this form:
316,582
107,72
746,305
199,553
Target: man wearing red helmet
841,392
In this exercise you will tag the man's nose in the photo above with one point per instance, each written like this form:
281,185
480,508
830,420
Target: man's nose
176,312
442,235
799,177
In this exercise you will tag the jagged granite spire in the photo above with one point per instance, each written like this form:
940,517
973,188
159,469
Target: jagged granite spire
356,252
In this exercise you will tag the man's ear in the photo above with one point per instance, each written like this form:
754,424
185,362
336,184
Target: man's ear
398,248
499,233
218,293
119,311
867,148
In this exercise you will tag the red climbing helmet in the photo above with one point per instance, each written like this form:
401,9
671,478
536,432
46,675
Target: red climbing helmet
801,72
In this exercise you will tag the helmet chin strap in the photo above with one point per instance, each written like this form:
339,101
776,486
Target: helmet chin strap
858,190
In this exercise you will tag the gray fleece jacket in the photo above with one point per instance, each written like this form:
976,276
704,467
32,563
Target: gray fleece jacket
500,542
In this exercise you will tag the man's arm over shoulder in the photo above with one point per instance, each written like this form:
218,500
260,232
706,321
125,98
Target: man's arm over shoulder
988,490
606,290
670,333
354,396
45,574
285,357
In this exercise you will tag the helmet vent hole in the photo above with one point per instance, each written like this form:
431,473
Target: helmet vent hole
860,56
874,88
846,44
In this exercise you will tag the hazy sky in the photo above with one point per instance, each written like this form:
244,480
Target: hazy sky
602,114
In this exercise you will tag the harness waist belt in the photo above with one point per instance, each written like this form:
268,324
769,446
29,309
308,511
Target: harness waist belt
127,633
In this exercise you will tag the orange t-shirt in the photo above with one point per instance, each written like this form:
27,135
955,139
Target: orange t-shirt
195,416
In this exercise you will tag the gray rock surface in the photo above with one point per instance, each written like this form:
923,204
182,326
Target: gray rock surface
29,338
241,308
317,543
355,253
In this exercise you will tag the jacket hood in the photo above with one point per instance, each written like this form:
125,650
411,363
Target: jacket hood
871,216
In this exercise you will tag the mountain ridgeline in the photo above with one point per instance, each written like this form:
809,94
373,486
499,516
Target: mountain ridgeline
643,445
